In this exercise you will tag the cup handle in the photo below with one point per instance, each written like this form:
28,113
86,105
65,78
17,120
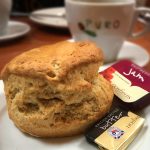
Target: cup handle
140,10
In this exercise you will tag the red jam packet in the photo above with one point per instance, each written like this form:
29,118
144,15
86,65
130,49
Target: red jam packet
131,84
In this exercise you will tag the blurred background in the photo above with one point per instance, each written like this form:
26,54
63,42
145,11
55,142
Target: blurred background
30,5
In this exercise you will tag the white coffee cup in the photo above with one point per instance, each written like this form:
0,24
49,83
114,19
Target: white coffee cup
106,22
5,7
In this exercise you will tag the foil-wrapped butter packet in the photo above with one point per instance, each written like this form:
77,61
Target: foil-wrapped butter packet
115,131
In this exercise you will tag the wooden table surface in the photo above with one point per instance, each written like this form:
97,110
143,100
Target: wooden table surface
41,35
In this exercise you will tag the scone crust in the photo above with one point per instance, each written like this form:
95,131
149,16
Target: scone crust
58,119
56,91
54,60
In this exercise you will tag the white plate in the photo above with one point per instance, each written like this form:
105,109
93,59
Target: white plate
130,51
15,29
133,52
50,21
13,139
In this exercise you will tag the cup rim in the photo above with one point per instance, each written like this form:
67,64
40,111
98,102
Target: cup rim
85,3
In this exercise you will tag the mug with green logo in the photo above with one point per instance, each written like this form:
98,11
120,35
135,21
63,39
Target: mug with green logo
108,23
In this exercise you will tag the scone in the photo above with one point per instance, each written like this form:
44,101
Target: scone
55,90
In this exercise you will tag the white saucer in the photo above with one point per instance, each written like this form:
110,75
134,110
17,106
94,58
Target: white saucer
50,21
131,51
15,29
11,138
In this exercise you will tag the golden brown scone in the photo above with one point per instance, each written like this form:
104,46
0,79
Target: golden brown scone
55,91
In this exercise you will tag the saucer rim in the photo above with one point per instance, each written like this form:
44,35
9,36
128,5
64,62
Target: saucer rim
11,36
38,21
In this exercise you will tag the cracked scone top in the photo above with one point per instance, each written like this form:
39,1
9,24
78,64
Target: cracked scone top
55,90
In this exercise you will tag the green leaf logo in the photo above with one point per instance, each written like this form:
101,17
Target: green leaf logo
87,31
